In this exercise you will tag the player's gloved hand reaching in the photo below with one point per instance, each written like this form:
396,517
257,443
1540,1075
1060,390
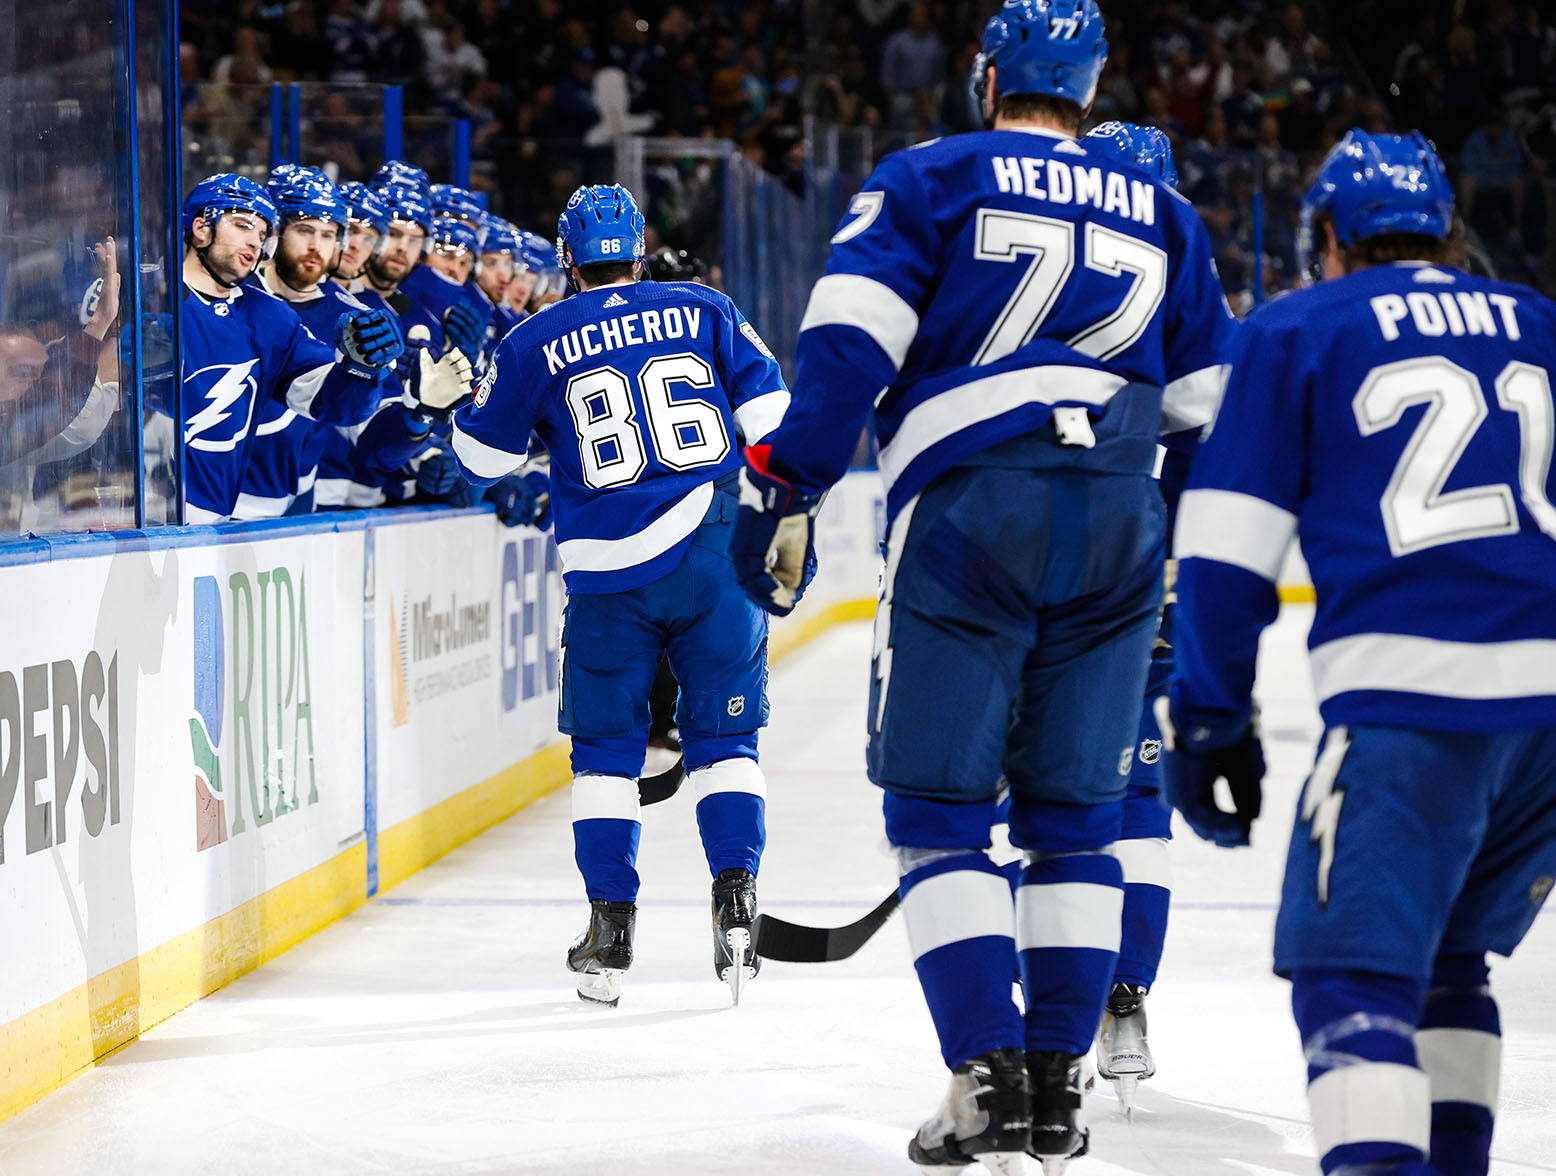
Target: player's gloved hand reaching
434,389
522,500
437,473
773,546
465,329
1195,759
370,340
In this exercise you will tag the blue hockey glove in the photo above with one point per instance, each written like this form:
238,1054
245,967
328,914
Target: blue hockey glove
1195,758
370,341
434,390
465,329
773,546
437,474
522,500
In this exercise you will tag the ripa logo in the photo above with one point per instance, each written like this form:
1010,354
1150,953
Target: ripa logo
252,726
59,734
528,636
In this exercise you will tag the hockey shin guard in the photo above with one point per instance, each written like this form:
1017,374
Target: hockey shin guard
1147,896
1460,1047
605,836
961,924
731,813
1370,1102
1068,913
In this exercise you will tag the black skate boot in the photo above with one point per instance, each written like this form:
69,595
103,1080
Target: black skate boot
986,1117
1123,1054
734,910
604,951
1057,1134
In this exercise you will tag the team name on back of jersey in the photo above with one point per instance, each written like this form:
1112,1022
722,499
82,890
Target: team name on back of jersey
1446,312
1059,182
623,330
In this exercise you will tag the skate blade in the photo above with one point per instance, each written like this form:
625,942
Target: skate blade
602,987
736,975
1125,1086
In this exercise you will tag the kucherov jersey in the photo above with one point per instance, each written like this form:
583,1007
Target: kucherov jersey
284,459
637,391
983,280
1398,421
239,353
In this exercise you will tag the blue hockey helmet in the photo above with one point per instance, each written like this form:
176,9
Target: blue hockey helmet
226,192
365,206
397,171
1146,147
600,223
448,200
451,233
1374,184
1054,47
403,202
307,192
499,236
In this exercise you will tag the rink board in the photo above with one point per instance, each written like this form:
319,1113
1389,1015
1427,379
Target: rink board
216,741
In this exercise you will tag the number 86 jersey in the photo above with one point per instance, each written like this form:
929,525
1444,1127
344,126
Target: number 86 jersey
981,281
637,391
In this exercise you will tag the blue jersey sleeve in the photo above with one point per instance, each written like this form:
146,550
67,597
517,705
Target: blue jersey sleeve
861,320
306,373
750,374
491,433
1235,524
1198,330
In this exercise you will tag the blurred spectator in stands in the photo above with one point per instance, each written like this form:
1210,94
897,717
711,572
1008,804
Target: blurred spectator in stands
1203,166
958,108
397,52
451,59
1185,82
1281,169
1491,188
1464,97
243,66
572,106
412,12
350,49
1243,108
683,102
487,31
1374,118
1294,49
1301,126
1531,53
727,95
912,60
1158,115
1116,94
297,47
343,136
1173,33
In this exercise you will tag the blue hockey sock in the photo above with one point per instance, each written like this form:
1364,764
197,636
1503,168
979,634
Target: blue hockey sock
605,836
1068,913
1370,1102
731,813
1147,897
1460,1047
961,924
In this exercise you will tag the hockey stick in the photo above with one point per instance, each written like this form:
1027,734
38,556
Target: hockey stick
795,943
653,789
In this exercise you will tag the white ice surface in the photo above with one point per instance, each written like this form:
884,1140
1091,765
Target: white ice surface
436,1030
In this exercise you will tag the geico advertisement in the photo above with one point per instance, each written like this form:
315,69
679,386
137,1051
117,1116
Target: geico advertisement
467,628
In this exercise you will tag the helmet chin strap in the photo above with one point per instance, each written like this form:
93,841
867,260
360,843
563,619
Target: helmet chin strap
216,277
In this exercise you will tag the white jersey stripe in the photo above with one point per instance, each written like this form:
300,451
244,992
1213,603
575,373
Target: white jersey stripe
1236,529
1190,401
1442,669
731,775
610,555
1381,1102
958,905
1069,914
304,390
964,405
612,797
481,459
851,300
1464,1065
761,415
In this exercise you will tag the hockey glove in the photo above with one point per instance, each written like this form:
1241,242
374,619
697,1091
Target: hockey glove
436,474
522,500
465,329
435,389
773,546
1195,759
370,340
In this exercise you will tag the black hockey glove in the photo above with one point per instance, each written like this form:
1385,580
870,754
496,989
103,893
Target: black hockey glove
1198,756
370,340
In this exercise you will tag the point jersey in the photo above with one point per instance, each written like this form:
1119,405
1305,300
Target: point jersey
1407,443
636,390
979,282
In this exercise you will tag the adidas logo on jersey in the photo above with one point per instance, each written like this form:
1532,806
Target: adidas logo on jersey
614,301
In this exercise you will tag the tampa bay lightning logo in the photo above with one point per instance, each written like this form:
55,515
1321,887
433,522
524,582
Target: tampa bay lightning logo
220,402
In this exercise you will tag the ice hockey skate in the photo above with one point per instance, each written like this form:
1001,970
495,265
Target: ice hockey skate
604,951
1123,1055
1058,1135
985,1118
734,910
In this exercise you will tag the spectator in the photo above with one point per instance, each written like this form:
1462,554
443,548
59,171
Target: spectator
1294,50
1301,126
450,60
1491,190
573,111
1244,109
297,47
1279,164
914,59
350,48
397,51
243,66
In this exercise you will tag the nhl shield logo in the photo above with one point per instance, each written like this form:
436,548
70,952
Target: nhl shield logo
737,705
1150,750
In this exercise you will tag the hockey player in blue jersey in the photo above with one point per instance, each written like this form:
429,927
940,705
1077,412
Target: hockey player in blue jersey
1012,305
1398,420
243,346
637,390
436,290
406,238
501,255
368,224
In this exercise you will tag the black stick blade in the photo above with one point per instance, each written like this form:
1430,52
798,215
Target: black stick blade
653,789
795,943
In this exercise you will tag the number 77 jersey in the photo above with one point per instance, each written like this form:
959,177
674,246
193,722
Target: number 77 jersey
1399,421
982,281
637,392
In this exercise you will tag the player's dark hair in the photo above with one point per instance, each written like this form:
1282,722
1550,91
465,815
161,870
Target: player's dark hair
1387,248
1040,107
603,273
